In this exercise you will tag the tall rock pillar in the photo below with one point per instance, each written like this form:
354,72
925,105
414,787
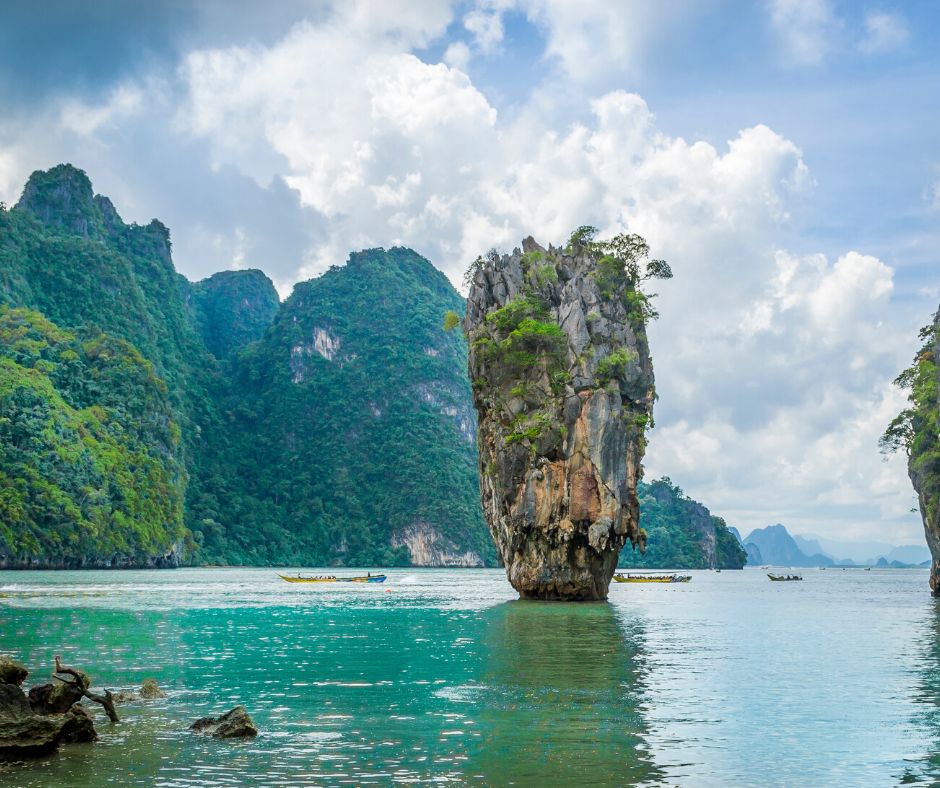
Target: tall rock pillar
563,388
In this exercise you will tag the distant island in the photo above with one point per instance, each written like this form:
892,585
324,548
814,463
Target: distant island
775,546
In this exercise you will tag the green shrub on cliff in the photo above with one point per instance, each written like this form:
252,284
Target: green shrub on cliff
614,366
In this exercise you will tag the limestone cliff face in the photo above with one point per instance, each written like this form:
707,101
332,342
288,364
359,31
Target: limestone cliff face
563,388
923,465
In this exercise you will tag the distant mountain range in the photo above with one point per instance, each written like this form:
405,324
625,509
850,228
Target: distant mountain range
775,546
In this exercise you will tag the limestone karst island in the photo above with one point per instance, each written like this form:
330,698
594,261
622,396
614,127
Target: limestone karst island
469,392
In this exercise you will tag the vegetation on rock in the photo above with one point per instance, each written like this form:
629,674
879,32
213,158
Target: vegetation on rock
350,432
90,465
233,309
916,430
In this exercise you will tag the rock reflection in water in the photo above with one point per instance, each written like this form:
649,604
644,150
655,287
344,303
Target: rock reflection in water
927,708
563,696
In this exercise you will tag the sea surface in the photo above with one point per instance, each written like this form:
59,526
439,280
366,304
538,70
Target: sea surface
442,676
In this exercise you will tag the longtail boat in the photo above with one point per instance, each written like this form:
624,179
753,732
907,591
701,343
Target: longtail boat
370,578
652,578
784,578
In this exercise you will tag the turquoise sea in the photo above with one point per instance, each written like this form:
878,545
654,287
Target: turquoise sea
441,676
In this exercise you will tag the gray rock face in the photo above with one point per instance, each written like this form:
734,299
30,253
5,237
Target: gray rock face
235,724
563,388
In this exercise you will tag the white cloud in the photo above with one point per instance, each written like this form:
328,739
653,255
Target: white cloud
85,119
593,39
805,28
486,26
814,354
457,55
884,32
11,175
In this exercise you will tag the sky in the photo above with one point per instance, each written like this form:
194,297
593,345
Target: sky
782,155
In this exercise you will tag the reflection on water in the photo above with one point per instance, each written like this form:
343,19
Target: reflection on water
561,698
926,718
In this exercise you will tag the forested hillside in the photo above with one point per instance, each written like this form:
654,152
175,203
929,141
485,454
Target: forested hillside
146,419
350,436
681,533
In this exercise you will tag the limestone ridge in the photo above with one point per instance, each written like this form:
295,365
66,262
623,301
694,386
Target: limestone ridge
233,309
563,388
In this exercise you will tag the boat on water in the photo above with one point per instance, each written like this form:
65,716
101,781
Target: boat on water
784,578
369,578
643,578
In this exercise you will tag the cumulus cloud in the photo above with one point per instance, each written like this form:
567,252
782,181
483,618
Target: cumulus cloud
805,28
592,38
817,352
486,26
85,118
884,32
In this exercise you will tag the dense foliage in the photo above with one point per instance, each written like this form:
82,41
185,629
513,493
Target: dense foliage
681,533
90,467
233,309
349,423
279,453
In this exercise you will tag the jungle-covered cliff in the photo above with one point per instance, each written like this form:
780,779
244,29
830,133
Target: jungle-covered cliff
350,435
681,533
146,420
916,430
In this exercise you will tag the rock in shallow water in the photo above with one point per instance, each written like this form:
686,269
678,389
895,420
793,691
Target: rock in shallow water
563,388
12,672
235,724
27,734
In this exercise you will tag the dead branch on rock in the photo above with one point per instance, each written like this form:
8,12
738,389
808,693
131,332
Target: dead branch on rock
79,683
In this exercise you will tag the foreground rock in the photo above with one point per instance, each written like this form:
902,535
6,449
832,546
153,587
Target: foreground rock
563,388
149,690
235,724
12,672
28,733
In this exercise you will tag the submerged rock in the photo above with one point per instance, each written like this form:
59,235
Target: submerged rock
149,690
235,724
563,388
